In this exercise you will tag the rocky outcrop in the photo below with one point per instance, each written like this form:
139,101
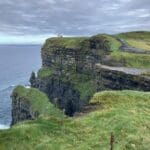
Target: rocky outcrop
21,109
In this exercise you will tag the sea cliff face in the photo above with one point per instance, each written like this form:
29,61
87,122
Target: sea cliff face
72,71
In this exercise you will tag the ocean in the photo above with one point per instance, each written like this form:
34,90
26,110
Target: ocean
16,64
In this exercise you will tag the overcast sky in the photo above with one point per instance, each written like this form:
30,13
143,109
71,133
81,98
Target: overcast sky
23,21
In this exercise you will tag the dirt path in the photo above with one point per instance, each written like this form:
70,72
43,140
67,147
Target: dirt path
126,48
133,71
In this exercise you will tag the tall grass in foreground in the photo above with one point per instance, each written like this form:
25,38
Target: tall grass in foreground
123,113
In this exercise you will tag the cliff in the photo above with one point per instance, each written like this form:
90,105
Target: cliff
70,73
30,104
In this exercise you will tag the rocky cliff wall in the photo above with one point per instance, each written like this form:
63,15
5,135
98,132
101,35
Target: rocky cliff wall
68,57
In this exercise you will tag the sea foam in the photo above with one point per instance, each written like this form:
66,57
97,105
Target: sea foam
4,127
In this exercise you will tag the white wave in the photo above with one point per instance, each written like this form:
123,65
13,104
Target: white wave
4,127
27,87
12,85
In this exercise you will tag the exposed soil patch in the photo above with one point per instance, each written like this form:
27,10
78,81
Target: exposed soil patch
133,71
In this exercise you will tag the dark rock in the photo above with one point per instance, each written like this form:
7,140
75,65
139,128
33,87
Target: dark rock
60,93
117,80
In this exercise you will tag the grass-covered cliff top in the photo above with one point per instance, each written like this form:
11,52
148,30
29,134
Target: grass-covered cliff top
83,44
74,42
139,40
38,100
65,42
135,35
123,113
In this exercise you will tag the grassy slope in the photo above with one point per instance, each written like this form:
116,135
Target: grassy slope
139,40
141,44
135,39
125,113
131,59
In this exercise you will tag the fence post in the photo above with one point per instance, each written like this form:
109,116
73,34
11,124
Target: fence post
112,140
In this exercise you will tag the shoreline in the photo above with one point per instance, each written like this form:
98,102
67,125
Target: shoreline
4,127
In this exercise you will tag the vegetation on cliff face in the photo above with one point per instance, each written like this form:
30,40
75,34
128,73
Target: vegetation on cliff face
123,113
45,72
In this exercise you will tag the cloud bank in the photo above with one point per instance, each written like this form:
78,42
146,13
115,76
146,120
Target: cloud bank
23,18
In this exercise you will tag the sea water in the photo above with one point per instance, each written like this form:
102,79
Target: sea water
16,64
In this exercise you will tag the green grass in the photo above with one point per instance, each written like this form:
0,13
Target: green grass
132,60
114,43
45,72
135,35
38,100
139,40
124,113
65,42
141,44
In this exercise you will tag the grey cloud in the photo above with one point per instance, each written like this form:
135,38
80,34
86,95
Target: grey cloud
73,17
